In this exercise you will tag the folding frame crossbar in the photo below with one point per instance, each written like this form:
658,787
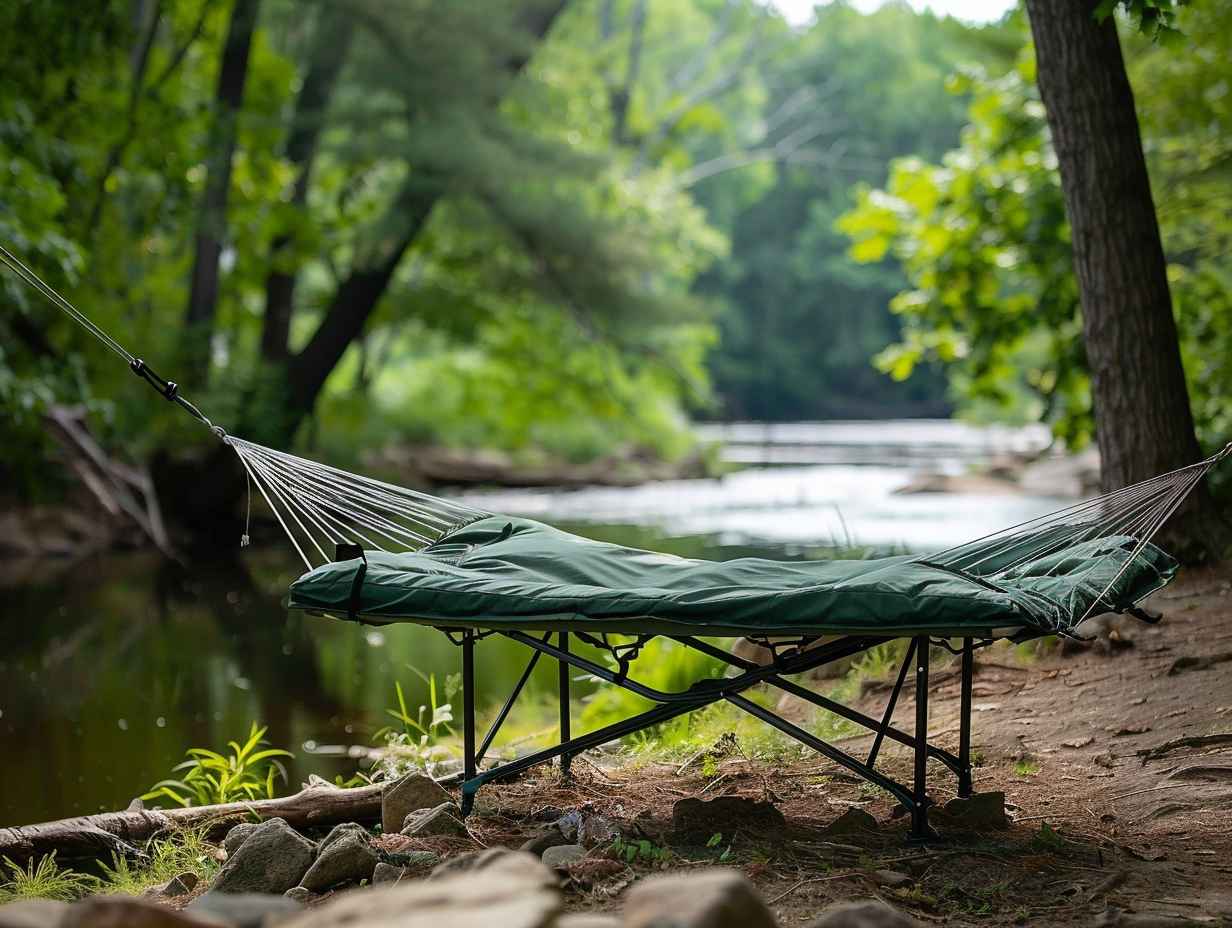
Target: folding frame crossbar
800,657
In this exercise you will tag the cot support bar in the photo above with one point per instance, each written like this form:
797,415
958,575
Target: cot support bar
468,704
504,712
563,681
900,792
964,720
920,829
823,702
914,798
889,709
585,742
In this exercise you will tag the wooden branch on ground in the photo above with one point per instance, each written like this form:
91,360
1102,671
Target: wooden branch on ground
99,836
1191,741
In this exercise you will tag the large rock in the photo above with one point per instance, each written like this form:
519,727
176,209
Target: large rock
853,821
697,819
981,812
551,836
445,819
237,835
493,858
32,913
181,885
422,861
864,914
130,912
272,859
561,856
518,892
245,910
347,859
389,873
410,794
714,898
339,831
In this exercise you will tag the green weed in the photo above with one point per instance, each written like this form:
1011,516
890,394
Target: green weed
716,840
1048,839
44,879
641,851
1026,768
247,773
416,742
184,851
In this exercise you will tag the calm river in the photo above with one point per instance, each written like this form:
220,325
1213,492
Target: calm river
110,668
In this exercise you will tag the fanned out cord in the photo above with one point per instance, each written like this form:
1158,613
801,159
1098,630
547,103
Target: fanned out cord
1135,513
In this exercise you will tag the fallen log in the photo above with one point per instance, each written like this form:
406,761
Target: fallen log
107,833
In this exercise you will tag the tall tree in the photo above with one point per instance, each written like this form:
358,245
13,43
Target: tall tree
1144,425
212,218
334,29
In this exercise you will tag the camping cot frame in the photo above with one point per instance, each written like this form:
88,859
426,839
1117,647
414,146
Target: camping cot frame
787,659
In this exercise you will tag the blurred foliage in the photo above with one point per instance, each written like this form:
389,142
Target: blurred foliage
982,237
639,229
802,318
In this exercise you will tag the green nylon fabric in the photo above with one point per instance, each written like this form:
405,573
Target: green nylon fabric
501,572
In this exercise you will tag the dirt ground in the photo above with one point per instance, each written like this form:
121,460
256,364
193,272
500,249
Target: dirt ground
1101,833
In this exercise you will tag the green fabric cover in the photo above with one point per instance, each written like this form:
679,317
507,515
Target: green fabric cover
501,572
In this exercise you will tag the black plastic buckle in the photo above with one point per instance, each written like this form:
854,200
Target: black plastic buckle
344,551
168,389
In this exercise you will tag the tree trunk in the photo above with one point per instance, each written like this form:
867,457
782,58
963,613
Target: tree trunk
212,220
1143,421
99,836
329,50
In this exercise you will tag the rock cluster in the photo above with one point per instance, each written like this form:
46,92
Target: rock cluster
275,876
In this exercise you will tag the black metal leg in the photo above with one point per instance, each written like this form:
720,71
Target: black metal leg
964,720
468,714
563,696
920,829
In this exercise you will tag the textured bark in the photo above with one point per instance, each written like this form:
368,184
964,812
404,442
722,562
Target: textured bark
212,220
329,51
1143,421
98,836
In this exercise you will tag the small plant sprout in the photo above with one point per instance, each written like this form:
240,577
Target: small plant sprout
641,851
415,742
1026,767
44,879
716,840
247,773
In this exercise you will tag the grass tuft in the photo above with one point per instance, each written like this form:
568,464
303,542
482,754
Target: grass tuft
44,879
183,851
